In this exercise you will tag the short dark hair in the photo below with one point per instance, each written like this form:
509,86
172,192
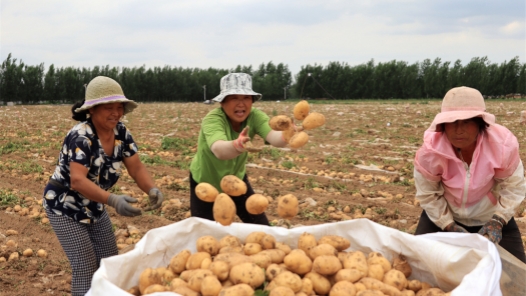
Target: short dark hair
478,120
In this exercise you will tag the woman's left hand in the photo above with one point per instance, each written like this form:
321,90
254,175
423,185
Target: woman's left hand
493,229
156,199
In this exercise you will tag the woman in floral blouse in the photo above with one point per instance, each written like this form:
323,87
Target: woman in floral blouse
89,164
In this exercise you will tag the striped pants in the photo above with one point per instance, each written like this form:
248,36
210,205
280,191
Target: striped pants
85,245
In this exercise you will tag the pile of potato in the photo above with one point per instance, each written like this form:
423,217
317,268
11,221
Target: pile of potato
297,137
224,209
228,267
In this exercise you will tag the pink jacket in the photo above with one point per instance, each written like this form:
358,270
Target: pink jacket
496,156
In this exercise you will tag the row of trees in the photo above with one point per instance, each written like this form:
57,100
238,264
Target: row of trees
398,79
29,84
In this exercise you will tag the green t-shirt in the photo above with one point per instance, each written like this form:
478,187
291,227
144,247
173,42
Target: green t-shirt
205,166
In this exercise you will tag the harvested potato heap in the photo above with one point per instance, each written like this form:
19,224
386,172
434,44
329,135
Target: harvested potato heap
311,120
228,267
224,209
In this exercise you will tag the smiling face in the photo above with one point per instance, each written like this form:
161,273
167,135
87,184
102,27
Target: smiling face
462,133
237,108
106,116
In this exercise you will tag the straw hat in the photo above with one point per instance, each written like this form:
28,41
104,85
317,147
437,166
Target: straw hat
461,103
236,84
104,90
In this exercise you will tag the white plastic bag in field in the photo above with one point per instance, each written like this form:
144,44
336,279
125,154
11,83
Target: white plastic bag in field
474,268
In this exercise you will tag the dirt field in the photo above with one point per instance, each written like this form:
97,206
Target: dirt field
360,160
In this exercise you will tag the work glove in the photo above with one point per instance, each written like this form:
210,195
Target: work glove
239,143
493,229
156,199
454,227
122,206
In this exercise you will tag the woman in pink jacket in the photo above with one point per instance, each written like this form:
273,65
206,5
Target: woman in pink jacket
468,173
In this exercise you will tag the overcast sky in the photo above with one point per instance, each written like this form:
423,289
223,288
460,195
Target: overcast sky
227,33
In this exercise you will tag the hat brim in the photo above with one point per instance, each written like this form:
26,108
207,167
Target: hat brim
128,106
237,91
452,116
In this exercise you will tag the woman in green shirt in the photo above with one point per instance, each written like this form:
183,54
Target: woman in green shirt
220,148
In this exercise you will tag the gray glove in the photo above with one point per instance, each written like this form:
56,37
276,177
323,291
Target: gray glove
454,227
122,206
156,199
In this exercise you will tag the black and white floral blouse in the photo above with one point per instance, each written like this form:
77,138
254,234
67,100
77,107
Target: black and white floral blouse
82,145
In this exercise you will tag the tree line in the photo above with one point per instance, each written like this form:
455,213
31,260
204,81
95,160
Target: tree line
32,84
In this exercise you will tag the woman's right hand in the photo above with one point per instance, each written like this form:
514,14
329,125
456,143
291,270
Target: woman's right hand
239,143
454,227
122,206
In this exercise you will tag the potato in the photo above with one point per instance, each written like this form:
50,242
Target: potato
195,260
297,261
268,242
343,288
185,291
290,280
237,290
307,286
260,259
28,253
281,291
206,263
197,278
178,262
210,286
313,120
219,269
256,204
154,288
350,275
377,258
408,293
338,242
280,122
359,287
356,260
151,276
272,271
326,265
177,282
400,263
376,271
276,256
306,242
320,284
247,273
255,237
206,192
134,291
395,278
42,253
208,244
187,274
281,246
301,110
414,285
322,249
252,248
288,134
298,140
287,206
430,292
229,241
224,209
229,249
233,186
232,259
370,293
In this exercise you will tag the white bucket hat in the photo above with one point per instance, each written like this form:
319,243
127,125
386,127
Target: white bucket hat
104,90
461,103
236,84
